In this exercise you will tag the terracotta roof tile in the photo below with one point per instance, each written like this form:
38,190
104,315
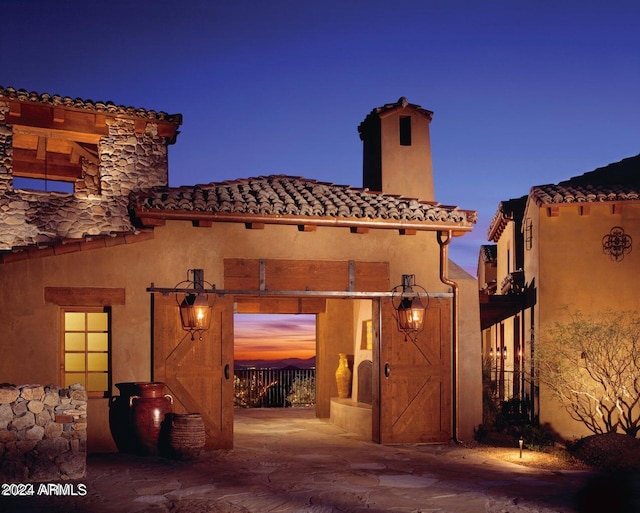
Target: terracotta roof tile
282,195
402,103
489,252
98,106
619,181
507,211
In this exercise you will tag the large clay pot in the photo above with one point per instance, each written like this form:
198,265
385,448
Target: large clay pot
343,376
120,417
187,436
148,410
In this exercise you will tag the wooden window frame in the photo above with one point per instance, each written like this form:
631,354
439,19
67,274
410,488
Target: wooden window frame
78,309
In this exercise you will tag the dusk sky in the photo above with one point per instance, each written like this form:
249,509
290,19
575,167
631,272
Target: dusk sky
524,92
272,337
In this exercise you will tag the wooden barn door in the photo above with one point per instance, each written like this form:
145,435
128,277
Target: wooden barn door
198,373
415,378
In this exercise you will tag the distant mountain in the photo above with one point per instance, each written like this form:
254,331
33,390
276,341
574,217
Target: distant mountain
285,363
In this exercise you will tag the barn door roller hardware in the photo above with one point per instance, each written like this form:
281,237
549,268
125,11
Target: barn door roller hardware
195,298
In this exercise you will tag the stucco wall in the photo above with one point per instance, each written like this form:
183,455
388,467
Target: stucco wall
576,275
30,328
407,170
469,353
334,335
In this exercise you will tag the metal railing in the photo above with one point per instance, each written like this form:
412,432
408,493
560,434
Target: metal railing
502,384
274,388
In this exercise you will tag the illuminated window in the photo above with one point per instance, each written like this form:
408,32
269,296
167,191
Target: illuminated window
85,344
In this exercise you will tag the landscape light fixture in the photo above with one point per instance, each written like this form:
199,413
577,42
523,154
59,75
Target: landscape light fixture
195,308
410,306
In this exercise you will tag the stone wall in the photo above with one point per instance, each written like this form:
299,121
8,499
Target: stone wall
6,151
43,433
128,162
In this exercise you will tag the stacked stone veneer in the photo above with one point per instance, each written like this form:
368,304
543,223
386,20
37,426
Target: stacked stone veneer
128,162
43,433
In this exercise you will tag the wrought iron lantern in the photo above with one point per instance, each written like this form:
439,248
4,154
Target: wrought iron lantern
410,306
194,303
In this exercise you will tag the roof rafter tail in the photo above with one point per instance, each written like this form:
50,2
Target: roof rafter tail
149,217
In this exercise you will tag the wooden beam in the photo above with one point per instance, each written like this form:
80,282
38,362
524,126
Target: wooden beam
202,223
616,208
58,115
84,296
58,167
140,125
166,129
244,274
35,114
50,117
406,231
152,221
250,304
41,151
67,247
254,226
56,133
79,150
359,229
307,228
584,210
75,156
15,109
553,211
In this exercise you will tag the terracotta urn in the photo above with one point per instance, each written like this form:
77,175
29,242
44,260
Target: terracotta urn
343,376
148,411
120,417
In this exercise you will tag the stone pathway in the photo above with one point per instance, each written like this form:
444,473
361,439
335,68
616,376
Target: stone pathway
289,462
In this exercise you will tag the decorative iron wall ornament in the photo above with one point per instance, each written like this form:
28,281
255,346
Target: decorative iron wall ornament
616,244
528,234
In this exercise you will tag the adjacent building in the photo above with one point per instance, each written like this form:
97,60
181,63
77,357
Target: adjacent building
565,247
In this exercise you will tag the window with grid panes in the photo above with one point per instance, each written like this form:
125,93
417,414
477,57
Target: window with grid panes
86,344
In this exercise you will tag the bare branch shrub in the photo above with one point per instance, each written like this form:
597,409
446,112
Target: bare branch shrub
591,364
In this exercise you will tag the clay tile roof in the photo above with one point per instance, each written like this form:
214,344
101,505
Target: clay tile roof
280,195
507,211
108,107
619,181
402,103
489,253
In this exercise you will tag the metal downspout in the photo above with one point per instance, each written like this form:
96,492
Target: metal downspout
444,271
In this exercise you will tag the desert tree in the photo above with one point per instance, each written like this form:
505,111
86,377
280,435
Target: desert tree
591,364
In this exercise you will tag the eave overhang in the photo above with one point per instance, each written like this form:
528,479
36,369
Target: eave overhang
290,200
495,308
155,217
